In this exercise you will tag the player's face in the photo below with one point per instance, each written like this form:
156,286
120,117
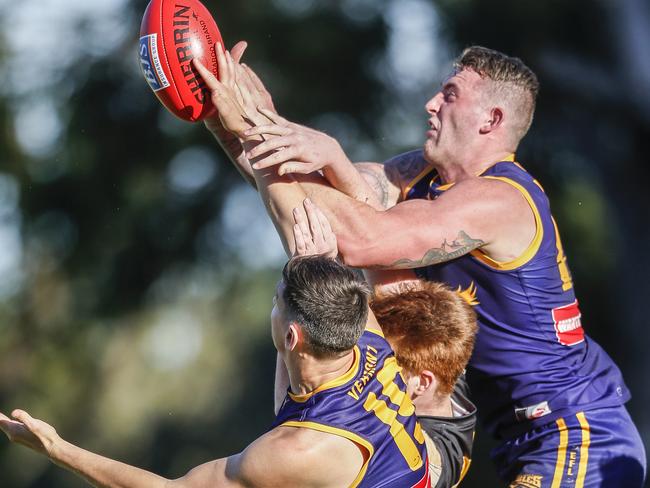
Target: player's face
455,116
278,318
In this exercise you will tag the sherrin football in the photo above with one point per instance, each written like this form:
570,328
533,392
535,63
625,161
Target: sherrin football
173,32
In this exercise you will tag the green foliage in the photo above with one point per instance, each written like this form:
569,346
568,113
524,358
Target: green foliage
140,329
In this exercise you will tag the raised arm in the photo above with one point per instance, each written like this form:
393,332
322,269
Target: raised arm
237,101
411,234
379,185
228,141
472,214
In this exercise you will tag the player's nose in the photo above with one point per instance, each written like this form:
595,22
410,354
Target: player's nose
433,105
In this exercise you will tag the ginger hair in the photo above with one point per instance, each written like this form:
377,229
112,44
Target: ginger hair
429,326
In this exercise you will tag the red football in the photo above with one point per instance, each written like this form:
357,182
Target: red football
174,32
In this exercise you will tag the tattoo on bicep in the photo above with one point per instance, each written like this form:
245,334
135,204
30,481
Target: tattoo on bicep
403,168
377,182
458,247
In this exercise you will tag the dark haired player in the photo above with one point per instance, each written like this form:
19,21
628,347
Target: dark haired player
336,427
431,329
463,212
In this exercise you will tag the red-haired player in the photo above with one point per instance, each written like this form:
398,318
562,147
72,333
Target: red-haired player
432,328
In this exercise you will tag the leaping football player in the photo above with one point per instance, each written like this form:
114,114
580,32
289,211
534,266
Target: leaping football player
464,212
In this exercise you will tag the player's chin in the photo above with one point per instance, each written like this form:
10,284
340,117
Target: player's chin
430,150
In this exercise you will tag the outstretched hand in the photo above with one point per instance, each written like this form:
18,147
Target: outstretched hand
213,122
30,432
296,148
223,92
312,232
237,94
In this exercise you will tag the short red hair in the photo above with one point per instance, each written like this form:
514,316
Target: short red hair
429,326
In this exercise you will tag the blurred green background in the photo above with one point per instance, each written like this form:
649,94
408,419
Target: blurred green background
136,269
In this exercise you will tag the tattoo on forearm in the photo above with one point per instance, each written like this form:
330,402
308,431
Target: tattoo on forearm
458,247
403,168
377,182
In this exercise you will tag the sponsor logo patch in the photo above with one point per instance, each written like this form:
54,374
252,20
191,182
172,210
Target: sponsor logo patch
532,412
527,481
568,327
150,63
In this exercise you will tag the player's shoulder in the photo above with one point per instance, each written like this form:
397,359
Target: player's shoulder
490,194
292,456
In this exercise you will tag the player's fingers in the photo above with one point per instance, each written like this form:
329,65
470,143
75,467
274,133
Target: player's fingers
268,130
294,167
300,218
330,238
231,70
238,50
277,157
245,85
23,417
299,241
272,116
210,80
222,64
231,64
262,96
244,77
314,224
322,219
239,96
250,81
9,428
269,145
256,80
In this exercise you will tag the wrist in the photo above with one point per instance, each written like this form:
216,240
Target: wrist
60,452
338,167
228,141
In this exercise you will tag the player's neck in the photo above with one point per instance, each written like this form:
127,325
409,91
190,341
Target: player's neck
470,165
309,373
433,405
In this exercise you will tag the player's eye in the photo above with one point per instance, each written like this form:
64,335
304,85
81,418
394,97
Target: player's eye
450,95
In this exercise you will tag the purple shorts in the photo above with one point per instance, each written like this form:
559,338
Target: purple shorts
598,448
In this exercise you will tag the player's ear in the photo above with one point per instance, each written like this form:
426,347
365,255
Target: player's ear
427,381
494,120
293,336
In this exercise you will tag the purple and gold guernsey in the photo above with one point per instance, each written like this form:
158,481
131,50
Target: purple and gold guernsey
369,406
532,362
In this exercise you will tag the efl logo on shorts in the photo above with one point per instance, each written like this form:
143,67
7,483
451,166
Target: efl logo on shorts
150,63
568,327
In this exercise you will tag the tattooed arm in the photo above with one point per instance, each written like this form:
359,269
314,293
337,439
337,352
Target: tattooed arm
387,180
474,213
